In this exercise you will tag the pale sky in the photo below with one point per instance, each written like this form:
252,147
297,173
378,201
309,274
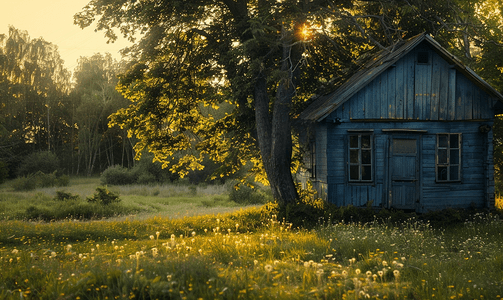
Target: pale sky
53,21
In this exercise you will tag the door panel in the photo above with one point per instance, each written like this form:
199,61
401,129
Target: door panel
404,172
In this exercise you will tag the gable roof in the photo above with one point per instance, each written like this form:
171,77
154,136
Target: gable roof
326,104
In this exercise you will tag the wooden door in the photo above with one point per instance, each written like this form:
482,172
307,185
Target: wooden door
404,172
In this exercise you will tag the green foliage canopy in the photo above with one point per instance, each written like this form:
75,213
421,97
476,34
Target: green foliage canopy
262,59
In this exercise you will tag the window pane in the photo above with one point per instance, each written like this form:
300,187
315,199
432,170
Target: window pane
454,157
354,157
454,141
366,157
353,141
442,156
454,172
442,140
366,173
354,172
404,146
442,173
365,141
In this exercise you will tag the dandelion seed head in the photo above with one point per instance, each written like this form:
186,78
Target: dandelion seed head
268,268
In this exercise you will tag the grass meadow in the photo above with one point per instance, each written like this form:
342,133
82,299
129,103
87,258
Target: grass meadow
194,249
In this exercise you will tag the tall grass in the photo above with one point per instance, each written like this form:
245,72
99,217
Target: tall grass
250,255
169,200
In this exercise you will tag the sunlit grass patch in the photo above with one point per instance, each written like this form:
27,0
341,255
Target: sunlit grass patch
173,200
249,255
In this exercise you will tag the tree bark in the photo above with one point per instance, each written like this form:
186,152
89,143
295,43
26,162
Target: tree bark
274,135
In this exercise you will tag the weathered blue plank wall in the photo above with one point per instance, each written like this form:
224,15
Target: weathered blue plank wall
473,189
412,91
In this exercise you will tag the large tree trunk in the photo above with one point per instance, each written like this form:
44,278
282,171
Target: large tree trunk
274,134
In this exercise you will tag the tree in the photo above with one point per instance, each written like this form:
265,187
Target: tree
266,58
95,98
33,87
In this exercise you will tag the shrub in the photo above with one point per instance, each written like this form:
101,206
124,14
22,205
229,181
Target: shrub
4,171
118,175
64,196
45,180
45,162
146,178
39,179
63,180
24,183
104,196
247,195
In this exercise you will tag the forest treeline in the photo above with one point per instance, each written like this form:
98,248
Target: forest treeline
54,120
44,109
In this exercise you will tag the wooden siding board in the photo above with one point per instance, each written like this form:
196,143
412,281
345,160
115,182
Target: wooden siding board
435,86
375,91
400,90
359,108
443,95
418,91
485,107
466,95
367,92
392,93
451,104
427,92
409,86
460,93
477,97
383,103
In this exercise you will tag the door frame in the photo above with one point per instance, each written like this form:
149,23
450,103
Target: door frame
404,134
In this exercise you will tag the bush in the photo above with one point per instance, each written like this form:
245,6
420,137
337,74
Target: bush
4,171
64,196
39,179
74,210
118,175
146,178
104,197
24,183
45,162
247,195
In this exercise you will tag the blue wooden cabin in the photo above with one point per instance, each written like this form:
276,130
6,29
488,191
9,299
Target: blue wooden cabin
412,129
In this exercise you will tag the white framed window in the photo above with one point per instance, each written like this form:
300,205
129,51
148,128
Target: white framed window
448,157
361,158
